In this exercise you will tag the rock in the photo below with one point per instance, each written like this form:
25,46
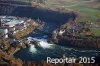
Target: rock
81,37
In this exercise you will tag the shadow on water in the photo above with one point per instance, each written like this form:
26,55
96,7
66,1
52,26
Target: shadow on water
53,19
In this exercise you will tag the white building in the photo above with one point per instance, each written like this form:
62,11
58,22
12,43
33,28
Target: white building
4,31
10,25
61,32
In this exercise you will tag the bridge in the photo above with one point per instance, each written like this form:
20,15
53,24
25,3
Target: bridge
6,7
23,1
27,5
15,3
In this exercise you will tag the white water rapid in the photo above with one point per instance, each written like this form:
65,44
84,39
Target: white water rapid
32,49
42,44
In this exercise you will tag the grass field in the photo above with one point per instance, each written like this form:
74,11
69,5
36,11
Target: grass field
86,9
87,13
96,31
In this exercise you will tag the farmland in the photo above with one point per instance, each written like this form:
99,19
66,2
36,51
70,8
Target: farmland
96,31
89,10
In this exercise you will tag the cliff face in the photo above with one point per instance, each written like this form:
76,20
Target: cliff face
72,34
6,58
8,47
77,41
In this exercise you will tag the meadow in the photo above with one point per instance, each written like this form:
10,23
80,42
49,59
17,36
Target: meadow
89,11
86,9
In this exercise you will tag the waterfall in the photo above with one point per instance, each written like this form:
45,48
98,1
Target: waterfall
42,44
45,44
32,49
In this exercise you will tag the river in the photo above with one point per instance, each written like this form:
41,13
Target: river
46,49
53,20
52,50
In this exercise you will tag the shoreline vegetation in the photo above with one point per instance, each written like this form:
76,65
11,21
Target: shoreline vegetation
7,50
80,34
21,34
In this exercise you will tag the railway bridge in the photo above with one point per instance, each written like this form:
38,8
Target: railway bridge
8,6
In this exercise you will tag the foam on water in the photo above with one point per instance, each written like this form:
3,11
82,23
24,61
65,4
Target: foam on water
43,43
32,49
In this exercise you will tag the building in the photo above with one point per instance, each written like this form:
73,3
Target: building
0,22
3,33
11,25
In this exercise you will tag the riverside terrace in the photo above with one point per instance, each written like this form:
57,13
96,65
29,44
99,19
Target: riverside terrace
11,25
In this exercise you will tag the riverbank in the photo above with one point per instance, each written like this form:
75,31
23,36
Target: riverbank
53,19
36,13
77,34
14,43
26,31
